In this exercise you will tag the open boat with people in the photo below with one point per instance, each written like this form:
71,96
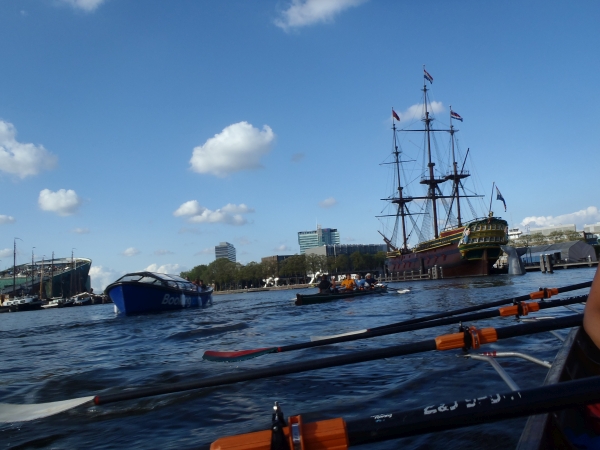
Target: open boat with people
310,299
141,292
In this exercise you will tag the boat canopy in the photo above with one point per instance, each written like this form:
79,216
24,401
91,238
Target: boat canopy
162,279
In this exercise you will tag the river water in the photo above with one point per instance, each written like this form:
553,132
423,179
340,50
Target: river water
59,354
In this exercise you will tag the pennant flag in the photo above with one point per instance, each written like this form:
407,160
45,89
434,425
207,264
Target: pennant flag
455,116
499,197
427,76
395,116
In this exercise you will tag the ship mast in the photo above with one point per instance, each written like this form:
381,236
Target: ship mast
400,201
456,176
432,182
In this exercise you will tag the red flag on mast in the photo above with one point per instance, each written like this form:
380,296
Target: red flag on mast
395,116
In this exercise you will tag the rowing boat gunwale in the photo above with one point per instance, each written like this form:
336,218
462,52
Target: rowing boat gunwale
535,435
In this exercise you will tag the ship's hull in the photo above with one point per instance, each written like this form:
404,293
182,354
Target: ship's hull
466,251
136,298
61,283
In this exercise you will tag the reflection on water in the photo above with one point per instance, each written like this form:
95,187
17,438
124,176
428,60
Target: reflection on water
56,354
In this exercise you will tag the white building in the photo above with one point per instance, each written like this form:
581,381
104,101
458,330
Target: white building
547,230
595,229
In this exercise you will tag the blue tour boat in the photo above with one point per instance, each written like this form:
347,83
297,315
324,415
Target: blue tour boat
141,292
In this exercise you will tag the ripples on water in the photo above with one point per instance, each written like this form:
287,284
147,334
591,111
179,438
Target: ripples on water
74,352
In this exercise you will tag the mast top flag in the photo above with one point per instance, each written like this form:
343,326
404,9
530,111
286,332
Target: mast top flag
427,76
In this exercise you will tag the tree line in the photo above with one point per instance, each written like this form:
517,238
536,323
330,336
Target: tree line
554,237
225,274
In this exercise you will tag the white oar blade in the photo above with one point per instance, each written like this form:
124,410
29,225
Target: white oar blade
322,338
22,413
402,291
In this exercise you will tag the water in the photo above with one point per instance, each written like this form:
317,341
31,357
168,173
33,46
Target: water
66,353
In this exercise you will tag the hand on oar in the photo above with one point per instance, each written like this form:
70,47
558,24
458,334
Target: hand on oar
473,338
521,309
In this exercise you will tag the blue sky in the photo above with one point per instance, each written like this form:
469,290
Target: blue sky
141,134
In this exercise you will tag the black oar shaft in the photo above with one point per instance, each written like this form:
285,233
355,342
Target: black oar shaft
334,361
497,303
383,331
460,413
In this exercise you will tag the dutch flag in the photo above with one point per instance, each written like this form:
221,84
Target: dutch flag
455,115
427,76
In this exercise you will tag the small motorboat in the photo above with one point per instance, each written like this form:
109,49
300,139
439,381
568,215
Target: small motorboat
309,299
23,304
82,300
142,292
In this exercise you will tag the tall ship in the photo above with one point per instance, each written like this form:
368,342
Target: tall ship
443,242
50,278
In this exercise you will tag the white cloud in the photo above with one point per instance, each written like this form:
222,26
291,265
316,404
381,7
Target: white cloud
238,147
308,12
163,252
101,277
6,219
81,230
328,202
206,251
63,202
131,251
173,269
580,218
282,248
22,159
86,5
5,253
230,213
415,112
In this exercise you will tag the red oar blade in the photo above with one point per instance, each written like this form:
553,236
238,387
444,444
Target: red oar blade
239,355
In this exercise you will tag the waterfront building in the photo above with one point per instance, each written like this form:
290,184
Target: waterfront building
566,252
514,233
595,229
346,249
225,250
546,231
275,258
317,238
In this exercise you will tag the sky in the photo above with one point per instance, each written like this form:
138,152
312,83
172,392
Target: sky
142,134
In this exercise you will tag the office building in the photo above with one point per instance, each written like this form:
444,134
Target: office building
225,250
317,238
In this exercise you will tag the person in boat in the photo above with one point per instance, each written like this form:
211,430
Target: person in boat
370,282
360,282
591,314
324,285
348,283
201,286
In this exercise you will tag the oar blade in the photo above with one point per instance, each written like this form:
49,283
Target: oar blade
10,413
240,355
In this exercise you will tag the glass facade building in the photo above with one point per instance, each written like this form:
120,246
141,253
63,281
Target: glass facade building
225,250
317,238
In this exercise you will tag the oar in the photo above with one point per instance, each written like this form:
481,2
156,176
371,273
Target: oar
471,338
542,293
516,310
388,425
